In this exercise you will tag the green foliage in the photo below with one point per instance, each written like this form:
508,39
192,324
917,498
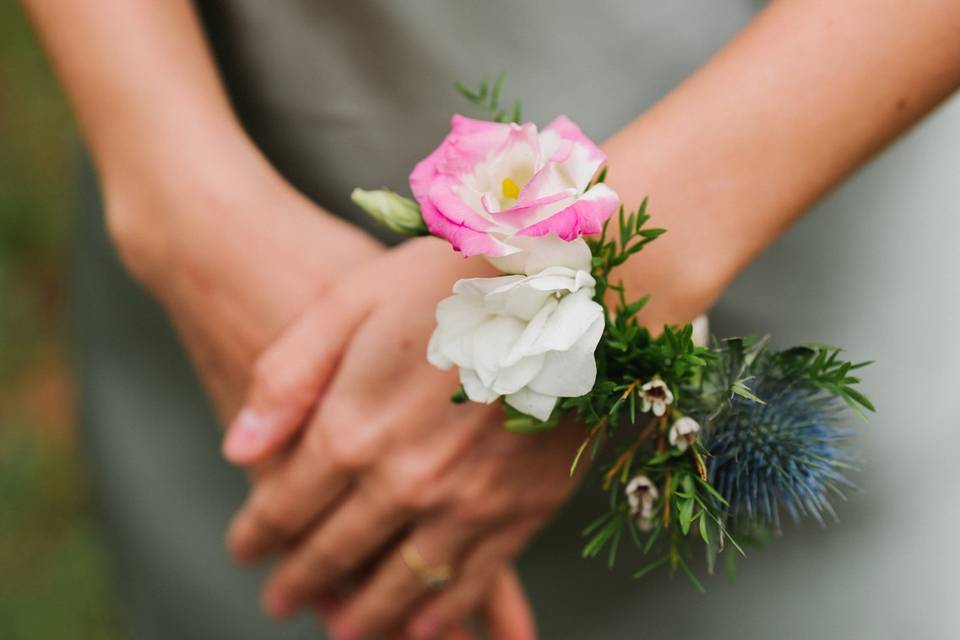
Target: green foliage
486,98
628,354
707,383
822,366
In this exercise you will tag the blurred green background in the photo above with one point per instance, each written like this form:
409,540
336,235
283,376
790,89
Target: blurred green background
52,571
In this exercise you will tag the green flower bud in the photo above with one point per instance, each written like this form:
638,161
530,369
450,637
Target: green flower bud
392,210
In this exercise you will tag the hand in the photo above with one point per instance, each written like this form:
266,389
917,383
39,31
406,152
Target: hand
387,460
233,253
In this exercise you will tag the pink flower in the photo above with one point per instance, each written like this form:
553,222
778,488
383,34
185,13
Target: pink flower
490,186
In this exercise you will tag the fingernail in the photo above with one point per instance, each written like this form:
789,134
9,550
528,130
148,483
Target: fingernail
342,631
245,436
424,628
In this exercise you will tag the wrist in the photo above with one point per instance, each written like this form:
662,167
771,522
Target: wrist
707,241
681,286
156,200
206,210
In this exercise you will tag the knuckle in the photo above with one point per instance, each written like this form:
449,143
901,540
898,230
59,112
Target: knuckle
326,564
351,442
343,298
413,490
479,510
277,517
347,454
480,486
277,384
379,616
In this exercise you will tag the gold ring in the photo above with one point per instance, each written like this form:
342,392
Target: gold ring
434,577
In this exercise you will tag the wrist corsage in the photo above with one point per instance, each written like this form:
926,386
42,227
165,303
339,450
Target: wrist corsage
699,442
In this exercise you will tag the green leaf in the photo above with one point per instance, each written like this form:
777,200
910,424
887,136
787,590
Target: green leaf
706,486
488,98
517,112
614,544
495,94
730,567
741,390
598,541
596,524
634,307
663,456
659,562
685,514
465,91
693,579
859,398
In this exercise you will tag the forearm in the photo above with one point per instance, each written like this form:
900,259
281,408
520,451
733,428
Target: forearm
197,213
156,117
142,85
786,110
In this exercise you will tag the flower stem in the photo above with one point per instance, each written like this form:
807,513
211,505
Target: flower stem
666,500
623,462
583,446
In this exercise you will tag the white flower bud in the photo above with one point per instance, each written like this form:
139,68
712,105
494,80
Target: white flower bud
655,395
642,495
683,433
392,210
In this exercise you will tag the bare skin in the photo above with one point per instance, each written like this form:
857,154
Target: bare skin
799,100
784,121
186,192
387,451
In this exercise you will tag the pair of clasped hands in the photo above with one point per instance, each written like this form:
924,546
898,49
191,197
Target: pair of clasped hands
370,463
366,480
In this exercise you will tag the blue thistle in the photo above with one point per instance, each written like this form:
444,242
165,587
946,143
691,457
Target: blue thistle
786,453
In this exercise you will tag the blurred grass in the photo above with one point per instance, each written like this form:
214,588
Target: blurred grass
52,579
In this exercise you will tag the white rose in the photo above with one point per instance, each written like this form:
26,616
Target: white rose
536,254
530,338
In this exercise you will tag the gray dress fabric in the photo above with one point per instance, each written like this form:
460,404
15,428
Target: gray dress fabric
347,94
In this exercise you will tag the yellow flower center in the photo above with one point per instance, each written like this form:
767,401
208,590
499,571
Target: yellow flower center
510,188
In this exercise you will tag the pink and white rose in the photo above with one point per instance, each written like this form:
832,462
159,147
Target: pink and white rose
490,188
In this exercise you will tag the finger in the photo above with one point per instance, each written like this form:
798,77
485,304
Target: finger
347,540
396,586
507,613
327,605
458,603
286,502
288,380
479,574
460,633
